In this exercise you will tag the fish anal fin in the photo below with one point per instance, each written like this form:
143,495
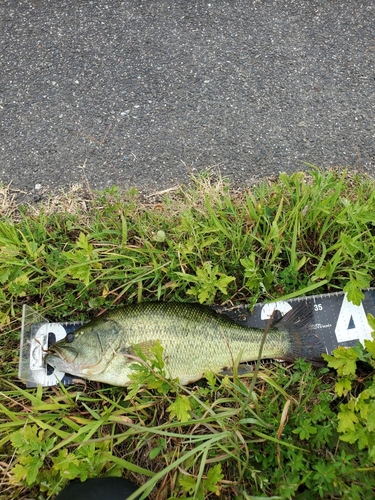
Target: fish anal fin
243,369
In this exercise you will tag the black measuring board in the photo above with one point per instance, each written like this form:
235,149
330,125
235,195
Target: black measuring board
335,320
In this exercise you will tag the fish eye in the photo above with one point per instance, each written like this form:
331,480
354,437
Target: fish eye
69,338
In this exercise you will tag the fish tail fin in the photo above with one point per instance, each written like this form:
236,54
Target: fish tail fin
303,342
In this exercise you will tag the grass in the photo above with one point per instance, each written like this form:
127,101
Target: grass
270,435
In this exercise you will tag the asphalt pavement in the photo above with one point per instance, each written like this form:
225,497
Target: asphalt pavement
140,93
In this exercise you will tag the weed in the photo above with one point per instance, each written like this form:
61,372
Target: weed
357,414
280,432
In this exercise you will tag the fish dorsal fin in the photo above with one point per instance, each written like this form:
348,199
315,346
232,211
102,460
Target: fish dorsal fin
238,314
144,348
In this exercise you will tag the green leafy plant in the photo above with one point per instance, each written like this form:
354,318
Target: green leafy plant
208,281
209,484
357,415
35,465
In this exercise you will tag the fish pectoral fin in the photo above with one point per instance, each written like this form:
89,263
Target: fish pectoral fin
137,350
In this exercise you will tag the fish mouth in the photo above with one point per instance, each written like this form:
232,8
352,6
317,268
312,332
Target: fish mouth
66,354
61,359
67,358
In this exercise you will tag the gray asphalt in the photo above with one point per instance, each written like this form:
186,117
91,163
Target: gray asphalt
140,93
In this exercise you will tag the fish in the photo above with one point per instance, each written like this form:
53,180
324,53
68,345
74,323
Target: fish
195,340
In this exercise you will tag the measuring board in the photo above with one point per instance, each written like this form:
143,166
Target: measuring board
37,334
335,320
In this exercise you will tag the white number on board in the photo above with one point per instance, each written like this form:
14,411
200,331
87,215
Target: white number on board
268,309
352,323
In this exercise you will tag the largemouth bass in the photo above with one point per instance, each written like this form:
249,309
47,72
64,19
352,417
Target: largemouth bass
195,340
